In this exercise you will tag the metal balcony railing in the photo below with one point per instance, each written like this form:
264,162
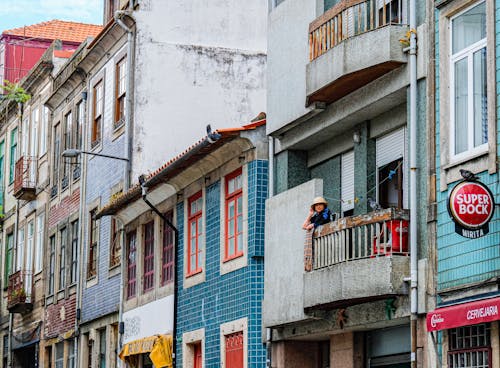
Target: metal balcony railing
25,178
19,291
375,234
350,18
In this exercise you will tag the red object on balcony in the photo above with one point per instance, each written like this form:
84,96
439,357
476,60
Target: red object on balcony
25,178
19,298
395,241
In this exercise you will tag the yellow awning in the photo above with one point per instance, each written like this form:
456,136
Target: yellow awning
159,347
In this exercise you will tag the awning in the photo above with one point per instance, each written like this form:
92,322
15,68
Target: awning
464,314
159,347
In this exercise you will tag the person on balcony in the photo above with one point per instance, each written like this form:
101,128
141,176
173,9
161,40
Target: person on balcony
319,214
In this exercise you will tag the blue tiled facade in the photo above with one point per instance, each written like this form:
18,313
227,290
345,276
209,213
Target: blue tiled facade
228,297
460,260
102,174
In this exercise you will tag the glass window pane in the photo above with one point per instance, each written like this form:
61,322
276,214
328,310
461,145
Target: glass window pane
469,27
480,102
240,204
231,227
230,249
461,106
240,223
240,242
200,226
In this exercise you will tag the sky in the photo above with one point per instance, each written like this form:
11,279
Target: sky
18,13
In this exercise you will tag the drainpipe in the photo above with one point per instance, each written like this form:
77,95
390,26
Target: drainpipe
269,331
128,145
83,181
413,183
144,188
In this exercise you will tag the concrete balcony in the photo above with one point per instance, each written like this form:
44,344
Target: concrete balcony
353,44
357,259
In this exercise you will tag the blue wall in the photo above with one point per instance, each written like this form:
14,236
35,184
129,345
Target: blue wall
461,260
238,294
102,175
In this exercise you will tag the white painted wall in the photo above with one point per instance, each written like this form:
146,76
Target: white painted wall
150,319
288,56
197,63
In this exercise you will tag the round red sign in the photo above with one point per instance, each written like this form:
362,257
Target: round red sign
471,204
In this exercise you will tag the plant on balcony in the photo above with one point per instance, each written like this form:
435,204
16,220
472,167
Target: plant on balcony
14,92
19,295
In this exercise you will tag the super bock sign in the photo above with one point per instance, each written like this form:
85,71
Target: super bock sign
471,206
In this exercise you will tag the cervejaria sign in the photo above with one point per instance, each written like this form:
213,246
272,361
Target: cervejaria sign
471,206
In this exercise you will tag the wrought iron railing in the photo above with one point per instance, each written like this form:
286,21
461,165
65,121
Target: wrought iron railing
25,174
350,18
19,290
375,234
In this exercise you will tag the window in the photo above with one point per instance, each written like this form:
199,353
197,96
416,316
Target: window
71,354
167,256
2,157
347,183
116,245
39,242
149,256
469,346
60,354
20,250
234,216
52,264
195,230
43,131
13,154
74,251
80,115
131,264
390,188
97,111
25,134
468,83
35,120
234,350
68,122
102,348
57,153
29,245
93,236
9,257
62,258
120,98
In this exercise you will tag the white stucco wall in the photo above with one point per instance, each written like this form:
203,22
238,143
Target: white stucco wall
288,56
197,63
150,319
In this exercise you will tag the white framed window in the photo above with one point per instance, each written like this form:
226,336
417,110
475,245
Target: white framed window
20,250
43,131
40,220
468,82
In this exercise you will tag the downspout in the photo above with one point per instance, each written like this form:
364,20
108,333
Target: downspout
128,146
269,331
176,247
413,183
83,186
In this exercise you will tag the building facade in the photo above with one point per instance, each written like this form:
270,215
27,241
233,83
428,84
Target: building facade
339,119
466,136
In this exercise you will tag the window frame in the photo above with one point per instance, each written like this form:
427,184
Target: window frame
39,242
92,244
167,254
148,257
194,217
131,284
465,54
75,240
63,245
120,95
115,245
52,265
232,197
9,258
97,113
13,154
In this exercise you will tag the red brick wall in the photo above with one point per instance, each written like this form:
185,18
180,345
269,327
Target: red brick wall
57,321
64,209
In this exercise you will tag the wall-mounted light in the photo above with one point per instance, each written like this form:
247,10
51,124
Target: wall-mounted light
356,137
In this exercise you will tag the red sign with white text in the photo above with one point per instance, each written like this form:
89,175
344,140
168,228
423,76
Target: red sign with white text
463,314
471,205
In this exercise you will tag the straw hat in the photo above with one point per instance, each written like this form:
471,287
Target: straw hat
319,200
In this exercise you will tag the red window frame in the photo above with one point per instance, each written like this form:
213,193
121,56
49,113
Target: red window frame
195,230
131,263
233,223
167,256
149,256
234,350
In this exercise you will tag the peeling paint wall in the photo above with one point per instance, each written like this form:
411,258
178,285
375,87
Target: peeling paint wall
197,63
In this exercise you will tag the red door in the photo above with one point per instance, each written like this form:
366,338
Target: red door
197,356
234,350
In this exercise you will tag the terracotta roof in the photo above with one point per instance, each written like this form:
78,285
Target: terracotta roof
63,53
176,165
57,30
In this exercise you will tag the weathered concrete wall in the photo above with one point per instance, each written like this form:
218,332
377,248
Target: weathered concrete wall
197,63
287,59
283,290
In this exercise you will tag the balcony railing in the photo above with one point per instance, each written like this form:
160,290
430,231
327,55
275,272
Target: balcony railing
25,178
19,292
350,18
379,233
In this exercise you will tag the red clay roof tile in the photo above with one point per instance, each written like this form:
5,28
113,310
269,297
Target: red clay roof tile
57,30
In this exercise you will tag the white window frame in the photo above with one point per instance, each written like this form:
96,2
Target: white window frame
39,241
466,53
